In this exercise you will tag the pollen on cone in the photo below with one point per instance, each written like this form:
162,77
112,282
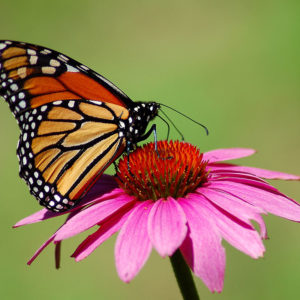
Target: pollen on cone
175,169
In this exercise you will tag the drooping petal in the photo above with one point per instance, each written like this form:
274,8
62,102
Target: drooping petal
45,214
273,203
94,240
227,154
239,234
133,245
202,248
240,209
37,253
93,215
268,174
167,226
38,216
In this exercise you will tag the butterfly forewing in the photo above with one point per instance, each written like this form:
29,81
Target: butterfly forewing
32,76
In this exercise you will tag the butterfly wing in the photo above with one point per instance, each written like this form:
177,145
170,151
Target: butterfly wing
65,146
69,119
32,76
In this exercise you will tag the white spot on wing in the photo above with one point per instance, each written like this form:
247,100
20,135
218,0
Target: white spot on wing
22,104
24,160
22,72
14,87
96,102
71,69
62,57
54,63
46,51
84,67
21,95
71,104
48,70
31,52
33,59
57,102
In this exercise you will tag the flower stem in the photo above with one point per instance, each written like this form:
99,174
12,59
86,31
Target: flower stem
57,255
184,277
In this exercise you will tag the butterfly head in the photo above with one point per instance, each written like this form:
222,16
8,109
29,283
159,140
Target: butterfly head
149,110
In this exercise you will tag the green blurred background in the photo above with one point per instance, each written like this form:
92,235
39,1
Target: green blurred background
232,65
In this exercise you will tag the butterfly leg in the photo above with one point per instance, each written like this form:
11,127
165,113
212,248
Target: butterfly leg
147,134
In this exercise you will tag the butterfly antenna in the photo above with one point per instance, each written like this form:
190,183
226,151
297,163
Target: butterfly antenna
205,128
182,137
167,125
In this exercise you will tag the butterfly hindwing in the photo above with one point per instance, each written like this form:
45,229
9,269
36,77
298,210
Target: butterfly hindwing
64,146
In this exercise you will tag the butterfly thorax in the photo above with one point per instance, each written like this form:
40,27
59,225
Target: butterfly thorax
139,117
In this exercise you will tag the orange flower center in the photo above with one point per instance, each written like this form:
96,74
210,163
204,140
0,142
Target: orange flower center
175,169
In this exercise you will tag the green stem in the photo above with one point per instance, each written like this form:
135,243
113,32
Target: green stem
184,277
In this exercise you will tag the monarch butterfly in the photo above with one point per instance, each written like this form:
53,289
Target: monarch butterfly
74,123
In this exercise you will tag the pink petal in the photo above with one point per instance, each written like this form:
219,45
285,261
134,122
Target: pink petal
45,214
133,245
37,217
239,234
202,248
256,171
273,203
103,185
92,215
227,154
99,197
240,209
37,253
167,226
94,240
219,174
247,180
